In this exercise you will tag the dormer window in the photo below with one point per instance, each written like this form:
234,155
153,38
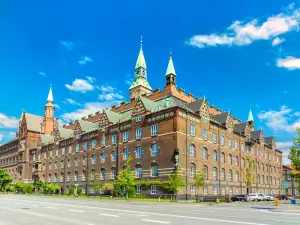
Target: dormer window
138,119
103,128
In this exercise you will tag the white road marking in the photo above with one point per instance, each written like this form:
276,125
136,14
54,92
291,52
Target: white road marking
73,210
127,214
110,215
34,205
156,221
35,214
51,207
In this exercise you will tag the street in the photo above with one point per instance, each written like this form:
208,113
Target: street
18,209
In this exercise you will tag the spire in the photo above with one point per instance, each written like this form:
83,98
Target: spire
170,69
50,95
250,116
141,59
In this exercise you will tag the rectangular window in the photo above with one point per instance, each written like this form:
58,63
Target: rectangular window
154,171
154,130
248,148
153,189
192,130
235,144
138,119
77,148
56,152
50,154
214,138
45,155
85,146
138,172
204,134
139,152
63,151
138,189
222,140
242,147
138,133
205,190
103,129
94,144
204,120
125,136
114,156
114,139
229,143
223,192
103,142
192,189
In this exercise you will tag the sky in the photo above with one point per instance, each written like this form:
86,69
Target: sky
239,54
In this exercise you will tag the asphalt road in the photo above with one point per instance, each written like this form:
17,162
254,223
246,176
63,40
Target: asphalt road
19,210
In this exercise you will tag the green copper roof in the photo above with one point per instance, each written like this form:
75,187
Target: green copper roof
65,133
47,139
113,117
170,69
140,81
250,116
141,60
149,105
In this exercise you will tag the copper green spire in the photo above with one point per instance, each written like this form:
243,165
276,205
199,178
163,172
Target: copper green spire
250,116
141,59
170,69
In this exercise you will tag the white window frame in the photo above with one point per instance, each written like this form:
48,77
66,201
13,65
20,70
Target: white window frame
138,133
214,138
155,150
204,134
139,155
125,136
222,140
139,172
114,139
138,189
138,118
192,130
153,190
103,142
154,130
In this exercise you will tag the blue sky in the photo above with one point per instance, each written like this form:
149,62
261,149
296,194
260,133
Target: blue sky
236,53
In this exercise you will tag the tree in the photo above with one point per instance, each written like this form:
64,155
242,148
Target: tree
108,188
125,180
5,179
39,185
249,173
174,182
294,156
19,187
96,185
199,181
56,188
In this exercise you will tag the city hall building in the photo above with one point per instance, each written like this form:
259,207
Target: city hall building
160,130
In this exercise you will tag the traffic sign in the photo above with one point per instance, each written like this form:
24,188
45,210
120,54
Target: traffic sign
217,185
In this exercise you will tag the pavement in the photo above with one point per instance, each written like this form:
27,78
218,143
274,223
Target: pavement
20,209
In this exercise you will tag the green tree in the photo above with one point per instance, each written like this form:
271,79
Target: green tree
39,185
294,156
19,187
108,188
96,184
5,179
125,180
56,189
71,190
174,182
249,173
199,181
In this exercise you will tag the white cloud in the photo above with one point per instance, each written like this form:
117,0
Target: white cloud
290,63
284,146
1,137
67,44
91,79
11,134
56,106
283,120
71,101
110,96
129,81
106,88
84,60
8,121
240,33
80,85
42,74
277,41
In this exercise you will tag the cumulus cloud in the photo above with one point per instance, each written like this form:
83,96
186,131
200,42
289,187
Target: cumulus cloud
80,85
245,33
277,41
91,79
284,146
110,96
8,121
67,44
56,106
84,60
71,102
289,63
42,74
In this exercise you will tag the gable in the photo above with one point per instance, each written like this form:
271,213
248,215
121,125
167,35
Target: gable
56,135
77,129
204,111
229,122
139,108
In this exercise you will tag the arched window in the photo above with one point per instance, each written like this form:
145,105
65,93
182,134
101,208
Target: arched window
237,177
94,159
274,180
243,163
204,154
69,163
113,173
230,175
258,179
76,176
56,164
125,154
205,172
93,175
83,176
56,177
214,173
236,161
113,156
154,150
76,162
154,170
222,157
62,164
62,177
192,170
192,150
229,159
138,171
263,179
49,178
267,168
258,166
102,174
103,157
214,155
222,174
262,166
139,152
84,160
68,176
270,180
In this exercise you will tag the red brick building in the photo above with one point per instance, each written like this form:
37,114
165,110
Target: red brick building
153,128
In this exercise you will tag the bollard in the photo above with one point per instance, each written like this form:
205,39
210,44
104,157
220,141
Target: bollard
293,201
217,201
276,202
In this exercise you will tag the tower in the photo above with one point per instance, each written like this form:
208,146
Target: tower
48,123
140,85
251,120
170,73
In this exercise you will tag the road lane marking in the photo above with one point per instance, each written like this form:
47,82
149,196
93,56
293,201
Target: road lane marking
127,214
73,210
51,207
34,205
156,221
35,214
110,215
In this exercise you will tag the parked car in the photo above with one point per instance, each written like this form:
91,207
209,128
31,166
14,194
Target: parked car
261,197
282,197
290,197
255,197
240,198
268,197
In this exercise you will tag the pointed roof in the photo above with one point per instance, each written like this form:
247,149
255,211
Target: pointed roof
87,126
149,105
141,62
47,139
33,122
195,106
65,133
269,140
113,117
256,134
170,69
50,95
241,127
221,118
250,116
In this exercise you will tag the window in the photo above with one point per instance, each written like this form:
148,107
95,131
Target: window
222,174
85,146
56,152
235,144
103,142
45,155
114,139
204,154
154,150
258,179
102,174
62,165
103,129
125,136
229,159
138,189
214,155
84,160
215,191
242,147
83,176
76,176
205,190
55,165
222,140
138,119
214,138
94,144
113,173
154,170
192,150
248,148
229,143
192,189
154,130
214,173
192,130
236,178
205,172
204,134
103,157
192,171
69,163
204,119
70,149
153,189
94,159
77,162
113,156
243,163
222,157
223,191
230,175
77,147
139,152
50,154
125,154
236,161
138,133
63,151
139,172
